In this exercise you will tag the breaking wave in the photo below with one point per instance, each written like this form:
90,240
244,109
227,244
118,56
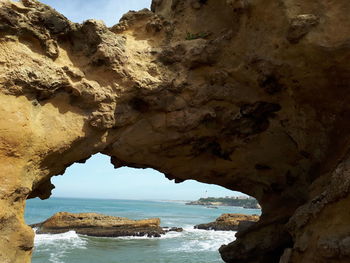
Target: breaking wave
204,240
58,245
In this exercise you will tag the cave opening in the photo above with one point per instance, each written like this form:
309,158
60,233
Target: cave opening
97,187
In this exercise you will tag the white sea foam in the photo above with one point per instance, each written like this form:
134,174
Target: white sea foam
204,240
192,240
168,235
70,238
61,244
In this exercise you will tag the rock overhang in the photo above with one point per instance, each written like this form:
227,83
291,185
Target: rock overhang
254,99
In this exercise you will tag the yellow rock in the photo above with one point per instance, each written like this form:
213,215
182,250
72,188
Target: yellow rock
249,95
93,224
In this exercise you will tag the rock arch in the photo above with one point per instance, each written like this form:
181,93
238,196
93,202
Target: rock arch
250,95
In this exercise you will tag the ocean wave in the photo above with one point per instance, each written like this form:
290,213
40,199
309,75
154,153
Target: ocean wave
58,244
192,240
168,235
195,240
68,237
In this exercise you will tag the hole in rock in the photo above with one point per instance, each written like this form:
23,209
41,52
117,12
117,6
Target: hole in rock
136,194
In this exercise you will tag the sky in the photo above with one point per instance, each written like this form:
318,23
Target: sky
110,11
97,178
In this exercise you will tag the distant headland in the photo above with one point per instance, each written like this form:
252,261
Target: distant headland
242,201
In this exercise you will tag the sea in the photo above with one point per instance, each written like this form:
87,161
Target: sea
190,246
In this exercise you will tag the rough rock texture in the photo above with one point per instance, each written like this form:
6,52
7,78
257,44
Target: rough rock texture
230,222
98,225
252,95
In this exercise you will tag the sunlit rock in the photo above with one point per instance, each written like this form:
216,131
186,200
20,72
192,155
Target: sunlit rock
98,225
250,95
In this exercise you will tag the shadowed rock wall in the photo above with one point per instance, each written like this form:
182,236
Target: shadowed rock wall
251,95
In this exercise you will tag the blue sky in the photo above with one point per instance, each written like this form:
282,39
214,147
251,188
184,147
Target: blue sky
97,178
110,11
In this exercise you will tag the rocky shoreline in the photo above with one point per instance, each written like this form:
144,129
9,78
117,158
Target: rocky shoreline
99,225
230,222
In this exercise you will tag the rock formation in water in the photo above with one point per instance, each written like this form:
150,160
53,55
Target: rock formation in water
230,222
98,225
252,95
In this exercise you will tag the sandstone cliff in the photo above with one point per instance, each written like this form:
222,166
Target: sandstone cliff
251,95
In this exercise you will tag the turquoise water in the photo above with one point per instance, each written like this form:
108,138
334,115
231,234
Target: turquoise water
190,246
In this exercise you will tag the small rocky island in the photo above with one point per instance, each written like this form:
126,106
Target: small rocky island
99,225
230,222
242,201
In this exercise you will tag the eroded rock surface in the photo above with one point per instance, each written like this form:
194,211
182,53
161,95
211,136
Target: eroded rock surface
249,95
230,222
98,225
